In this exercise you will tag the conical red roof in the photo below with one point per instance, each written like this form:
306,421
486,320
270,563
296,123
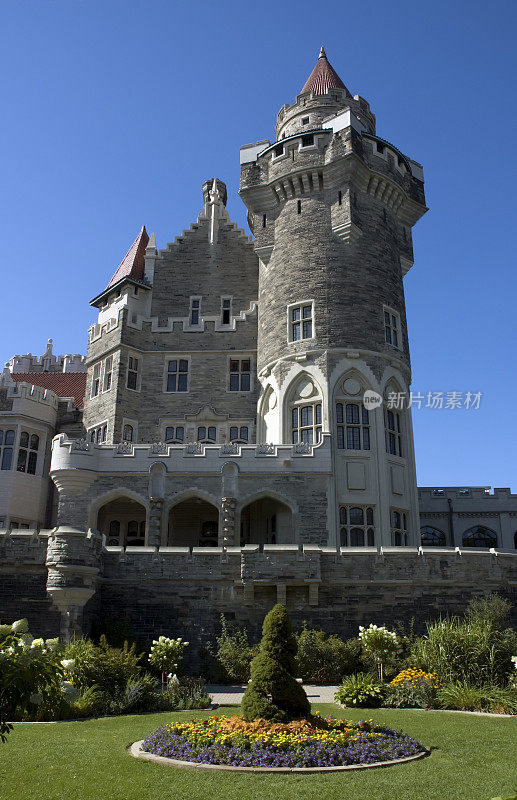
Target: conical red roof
323,77
133,264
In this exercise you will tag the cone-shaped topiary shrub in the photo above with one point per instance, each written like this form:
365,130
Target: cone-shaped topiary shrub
273,693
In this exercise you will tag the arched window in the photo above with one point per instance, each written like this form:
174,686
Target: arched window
353,426
305,412
127,433
479,536
114,533
393,432
6,448
356,526
431,537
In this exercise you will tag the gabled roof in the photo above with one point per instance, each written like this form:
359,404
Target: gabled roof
133,264
323,77
64,384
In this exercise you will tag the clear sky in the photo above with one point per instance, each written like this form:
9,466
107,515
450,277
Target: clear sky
114,113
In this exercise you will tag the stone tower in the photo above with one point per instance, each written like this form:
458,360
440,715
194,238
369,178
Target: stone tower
331,206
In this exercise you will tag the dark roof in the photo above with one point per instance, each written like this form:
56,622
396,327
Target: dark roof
323,77
64,384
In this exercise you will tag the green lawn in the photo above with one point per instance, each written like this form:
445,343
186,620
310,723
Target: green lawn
473,758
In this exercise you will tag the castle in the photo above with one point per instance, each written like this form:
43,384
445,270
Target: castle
224,456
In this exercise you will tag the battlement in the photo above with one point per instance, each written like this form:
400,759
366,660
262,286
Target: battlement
78,454
48,362
430,493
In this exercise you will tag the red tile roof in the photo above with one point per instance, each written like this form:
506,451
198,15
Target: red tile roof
323,77
64,384
133,264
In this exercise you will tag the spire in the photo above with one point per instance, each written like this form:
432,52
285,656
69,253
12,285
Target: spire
323,77
133,264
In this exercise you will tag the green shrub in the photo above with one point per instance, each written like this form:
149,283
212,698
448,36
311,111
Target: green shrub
472,651
493,610
188,693
31,673
138,694
362,689
407,696
107,668
463,696
326,659
89,703
273,693
234,652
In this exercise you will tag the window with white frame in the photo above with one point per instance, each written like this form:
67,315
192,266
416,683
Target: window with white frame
98,434
240,375
96,380
239,433
399,529
108,372
177,375
28,453
226,310
175,434
133,364
392,327
353,426
6,448
301,321
393,432
195,311
306,423
207,434
356,528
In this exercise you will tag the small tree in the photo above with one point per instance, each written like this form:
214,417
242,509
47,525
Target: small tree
166,654
380,645
274,693
234,651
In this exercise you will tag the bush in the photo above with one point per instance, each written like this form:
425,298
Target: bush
412,688
107,668
138,694
326,659
273,693
31,672
188,693
465,697
362,689
471,651
234,652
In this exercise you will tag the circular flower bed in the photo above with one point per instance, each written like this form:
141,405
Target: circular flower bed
316,742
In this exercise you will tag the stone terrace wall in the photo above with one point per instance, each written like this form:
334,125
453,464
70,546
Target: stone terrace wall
182,592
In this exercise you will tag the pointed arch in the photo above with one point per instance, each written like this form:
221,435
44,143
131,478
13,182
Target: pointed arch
108,497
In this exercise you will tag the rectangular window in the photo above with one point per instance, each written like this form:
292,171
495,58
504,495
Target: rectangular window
175,434
356,528
239,434
96,379
206,434
393,433
240,375
6,448
177,375
226,310
108,369
392,327
195,310
399,527
132,373
300,321
353,427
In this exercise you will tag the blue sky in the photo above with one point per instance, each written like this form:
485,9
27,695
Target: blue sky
116,112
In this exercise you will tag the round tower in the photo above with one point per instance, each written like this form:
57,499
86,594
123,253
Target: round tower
331,206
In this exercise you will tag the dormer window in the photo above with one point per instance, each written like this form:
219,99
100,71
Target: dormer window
305,120
207,435
308,140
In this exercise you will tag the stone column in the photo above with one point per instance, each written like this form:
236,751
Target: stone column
154,532
228,521
73,563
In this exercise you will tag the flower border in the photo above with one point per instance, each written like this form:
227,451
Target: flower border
136,751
